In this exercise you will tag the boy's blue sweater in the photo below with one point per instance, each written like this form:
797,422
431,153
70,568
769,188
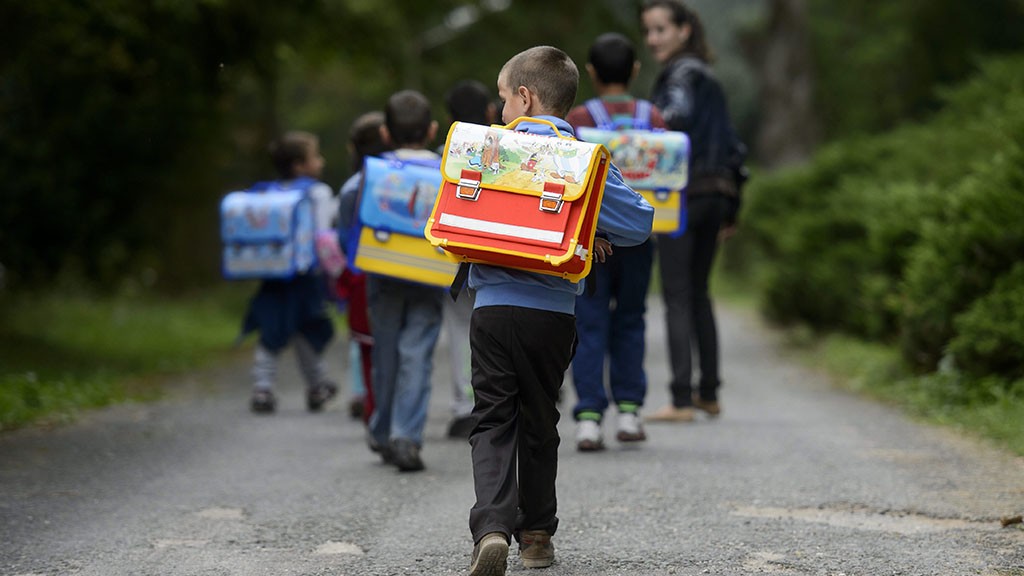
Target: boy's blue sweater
625,219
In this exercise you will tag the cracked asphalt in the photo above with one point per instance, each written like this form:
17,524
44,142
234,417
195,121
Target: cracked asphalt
795,477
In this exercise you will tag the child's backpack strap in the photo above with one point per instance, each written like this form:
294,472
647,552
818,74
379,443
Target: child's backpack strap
642,115
599,114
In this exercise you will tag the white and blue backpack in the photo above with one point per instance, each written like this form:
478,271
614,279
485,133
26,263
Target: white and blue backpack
652,161
269,231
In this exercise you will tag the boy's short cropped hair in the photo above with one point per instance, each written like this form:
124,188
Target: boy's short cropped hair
613,58
289,149
547,72
468,101
365,138
407,117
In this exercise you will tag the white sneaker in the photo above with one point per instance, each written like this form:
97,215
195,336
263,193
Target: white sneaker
588,436
630,429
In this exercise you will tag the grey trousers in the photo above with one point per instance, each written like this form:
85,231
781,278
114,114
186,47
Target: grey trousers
311,364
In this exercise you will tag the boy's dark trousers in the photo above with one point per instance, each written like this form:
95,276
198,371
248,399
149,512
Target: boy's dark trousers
519,360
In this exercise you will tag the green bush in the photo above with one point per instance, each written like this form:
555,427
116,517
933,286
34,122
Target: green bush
979,238
990,334
897,235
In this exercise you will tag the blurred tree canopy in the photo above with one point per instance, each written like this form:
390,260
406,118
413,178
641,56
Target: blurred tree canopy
878,64
122,122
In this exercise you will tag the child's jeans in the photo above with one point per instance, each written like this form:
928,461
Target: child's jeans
406,320
616,332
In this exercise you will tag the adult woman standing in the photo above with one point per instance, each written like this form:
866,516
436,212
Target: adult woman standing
692,101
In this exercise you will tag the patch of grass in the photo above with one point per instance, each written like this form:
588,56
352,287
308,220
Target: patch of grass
991,408
60,353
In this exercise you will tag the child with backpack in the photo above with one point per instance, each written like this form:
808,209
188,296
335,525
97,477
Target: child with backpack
364,140
466,101
405,316
622,279
523,336
294,310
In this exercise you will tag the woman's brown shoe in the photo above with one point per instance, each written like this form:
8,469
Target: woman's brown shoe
709,406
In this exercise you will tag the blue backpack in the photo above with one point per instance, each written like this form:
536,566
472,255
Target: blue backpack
395,204
268,231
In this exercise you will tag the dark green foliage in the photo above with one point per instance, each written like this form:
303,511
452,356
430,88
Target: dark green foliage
903,233
878,63
977,239
990,333
123,123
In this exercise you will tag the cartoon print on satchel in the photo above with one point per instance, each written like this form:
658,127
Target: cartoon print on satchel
519,200
655,163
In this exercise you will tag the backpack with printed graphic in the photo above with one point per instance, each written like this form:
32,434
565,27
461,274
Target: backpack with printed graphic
268,231
653,162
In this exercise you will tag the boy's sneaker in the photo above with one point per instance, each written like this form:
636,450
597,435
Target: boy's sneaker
588,436
406,455
263,402
490,556
536,549
630,429
318,395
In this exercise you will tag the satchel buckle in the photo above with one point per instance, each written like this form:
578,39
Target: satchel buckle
551,198
468,189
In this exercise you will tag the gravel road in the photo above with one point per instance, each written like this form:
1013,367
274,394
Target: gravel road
795,477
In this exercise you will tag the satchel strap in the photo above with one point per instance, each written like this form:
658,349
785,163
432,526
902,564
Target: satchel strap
642,115
459,282
599,114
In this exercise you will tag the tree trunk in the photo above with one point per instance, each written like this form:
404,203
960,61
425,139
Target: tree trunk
788,131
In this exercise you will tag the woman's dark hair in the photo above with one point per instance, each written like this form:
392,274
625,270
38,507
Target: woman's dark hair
697,45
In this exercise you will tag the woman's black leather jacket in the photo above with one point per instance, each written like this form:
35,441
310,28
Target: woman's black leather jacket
691,101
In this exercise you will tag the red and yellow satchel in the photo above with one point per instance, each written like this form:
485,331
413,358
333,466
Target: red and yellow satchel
519,200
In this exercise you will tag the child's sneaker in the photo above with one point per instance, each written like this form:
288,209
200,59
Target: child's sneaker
490,556
630,429
317,396
536,549
263,402
588,436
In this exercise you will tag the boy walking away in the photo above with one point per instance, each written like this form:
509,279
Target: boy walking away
523,336
466,101
405,317
295,310
610,318
364,140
